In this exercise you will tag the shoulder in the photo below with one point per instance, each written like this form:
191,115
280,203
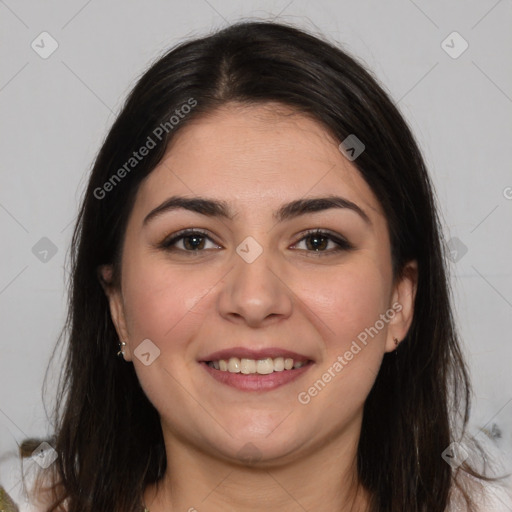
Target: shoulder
23,486
492,496
486,496
14,484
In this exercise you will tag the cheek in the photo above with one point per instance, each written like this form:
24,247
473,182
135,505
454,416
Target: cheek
347,300
350,305
350,302
162,302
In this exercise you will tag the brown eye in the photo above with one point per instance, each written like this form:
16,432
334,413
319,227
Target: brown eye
318,241
190,240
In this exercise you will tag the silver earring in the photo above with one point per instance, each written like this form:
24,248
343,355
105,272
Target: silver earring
121,345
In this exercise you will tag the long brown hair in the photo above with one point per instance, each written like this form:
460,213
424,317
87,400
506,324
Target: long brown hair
107,433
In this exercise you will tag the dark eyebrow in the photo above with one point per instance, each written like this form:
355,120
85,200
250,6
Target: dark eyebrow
217,208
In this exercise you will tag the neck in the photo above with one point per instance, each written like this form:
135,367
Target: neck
326,475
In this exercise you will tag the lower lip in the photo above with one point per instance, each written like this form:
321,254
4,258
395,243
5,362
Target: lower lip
255,381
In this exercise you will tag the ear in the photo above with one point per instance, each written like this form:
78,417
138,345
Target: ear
116,304
402,304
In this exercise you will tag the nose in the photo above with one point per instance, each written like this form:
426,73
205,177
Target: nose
255,293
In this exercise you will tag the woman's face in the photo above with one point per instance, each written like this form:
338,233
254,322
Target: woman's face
254,284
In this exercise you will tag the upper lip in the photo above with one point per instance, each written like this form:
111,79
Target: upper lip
248,353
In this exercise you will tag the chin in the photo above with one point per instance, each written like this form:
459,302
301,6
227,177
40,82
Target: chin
258,450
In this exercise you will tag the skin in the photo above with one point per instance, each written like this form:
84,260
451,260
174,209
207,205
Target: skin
192,304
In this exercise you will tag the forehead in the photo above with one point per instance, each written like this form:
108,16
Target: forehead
257,156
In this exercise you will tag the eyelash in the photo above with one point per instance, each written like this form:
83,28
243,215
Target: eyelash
343,245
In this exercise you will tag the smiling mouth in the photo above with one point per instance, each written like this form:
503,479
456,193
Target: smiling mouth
264,366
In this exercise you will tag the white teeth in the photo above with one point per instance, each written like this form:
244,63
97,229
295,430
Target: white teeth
260,366
234,365
265,366
279,364
248,366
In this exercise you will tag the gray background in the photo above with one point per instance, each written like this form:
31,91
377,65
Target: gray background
56,112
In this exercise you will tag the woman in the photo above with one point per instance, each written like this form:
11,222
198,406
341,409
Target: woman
260,246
